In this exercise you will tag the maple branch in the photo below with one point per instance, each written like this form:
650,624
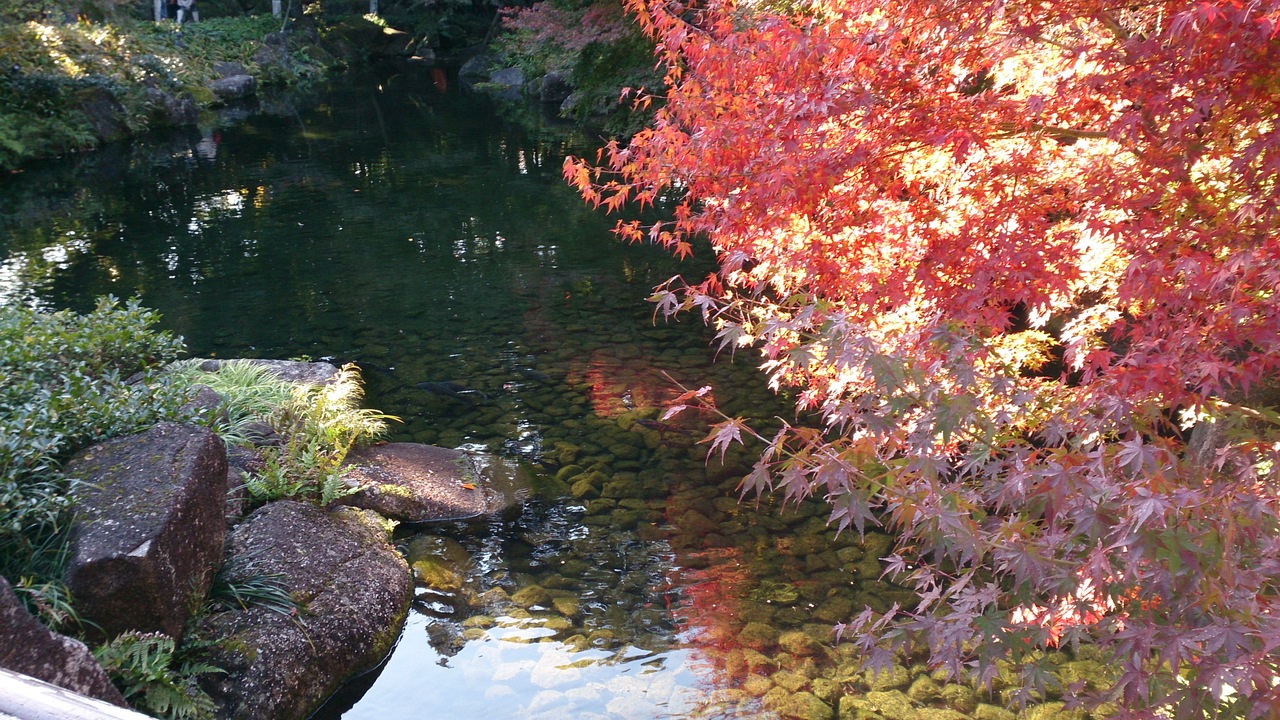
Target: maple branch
1010,130
1114,26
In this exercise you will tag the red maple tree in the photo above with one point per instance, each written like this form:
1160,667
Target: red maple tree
1021,259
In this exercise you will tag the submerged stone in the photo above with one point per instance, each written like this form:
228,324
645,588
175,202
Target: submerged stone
531,596
803,706
894,677
893,705
959,697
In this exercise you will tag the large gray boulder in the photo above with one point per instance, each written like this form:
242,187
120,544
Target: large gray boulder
355,590
236,87
33,649
507,83
150,528
554,88
411,482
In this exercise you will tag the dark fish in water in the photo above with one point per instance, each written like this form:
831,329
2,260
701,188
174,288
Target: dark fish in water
534,375
454,390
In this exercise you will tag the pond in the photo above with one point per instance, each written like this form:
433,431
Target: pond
395,222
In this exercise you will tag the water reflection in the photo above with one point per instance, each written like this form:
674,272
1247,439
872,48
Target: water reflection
413,233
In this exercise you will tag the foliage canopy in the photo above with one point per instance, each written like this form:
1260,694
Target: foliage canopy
1011,254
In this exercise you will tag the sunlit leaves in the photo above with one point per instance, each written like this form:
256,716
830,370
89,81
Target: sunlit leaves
994,250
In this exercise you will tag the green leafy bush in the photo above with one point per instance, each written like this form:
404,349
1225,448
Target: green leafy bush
67,381
52,69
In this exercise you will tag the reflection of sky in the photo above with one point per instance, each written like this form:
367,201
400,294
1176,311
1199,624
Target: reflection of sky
504,675
23,274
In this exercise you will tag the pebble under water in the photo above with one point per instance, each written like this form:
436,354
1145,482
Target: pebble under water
406,227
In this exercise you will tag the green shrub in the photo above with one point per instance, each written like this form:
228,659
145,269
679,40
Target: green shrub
67,381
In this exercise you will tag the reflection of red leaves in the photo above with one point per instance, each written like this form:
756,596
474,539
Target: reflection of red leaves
710,600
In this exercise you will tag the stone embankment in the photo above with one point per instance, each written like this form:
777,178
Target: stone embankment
152,532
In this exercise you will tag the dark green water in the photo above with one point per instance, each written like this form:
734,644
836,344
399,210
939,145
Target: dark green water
412,231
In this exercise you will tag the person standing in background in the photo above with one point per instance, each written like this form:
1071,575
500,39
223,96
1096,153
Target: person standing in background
188,6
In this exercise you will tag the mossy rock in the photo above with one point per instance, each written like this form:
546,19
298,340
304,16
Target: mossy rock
582,489
1053,711
568,472
438,575
894,677
852,707
924,690
799,643
758,636
566,605
984,711
789,681
803,706
893,705
531,596
960,698
934,713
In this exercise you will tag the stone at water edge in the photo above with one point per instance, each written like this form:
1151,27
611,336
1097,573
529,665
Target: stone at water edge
150,523
355,590
415,483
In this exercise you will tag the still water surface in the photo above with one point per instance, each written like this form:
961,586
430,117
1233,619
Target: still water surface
390,222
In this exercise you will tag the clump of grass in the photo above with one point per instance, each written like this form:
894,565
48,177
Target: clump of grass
317,424
242,584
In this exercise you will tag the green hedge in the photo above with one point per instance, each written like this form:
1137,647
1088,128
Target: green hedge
66,381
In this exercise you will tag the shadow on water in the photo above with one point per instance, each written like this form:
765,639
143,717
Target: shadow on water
413,232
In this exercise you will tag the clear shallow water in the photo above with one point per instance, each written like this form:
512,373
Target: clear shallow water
412,231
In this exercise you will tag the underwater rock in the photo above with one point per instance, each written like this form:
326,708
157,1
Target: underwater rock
894,677
151,519
758,636
924,690
799,643
893,705
960,698
803,706
532,596
993,712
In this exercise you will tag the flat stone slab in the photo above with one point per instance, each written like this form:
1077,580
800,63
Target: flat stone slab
291,371
412,482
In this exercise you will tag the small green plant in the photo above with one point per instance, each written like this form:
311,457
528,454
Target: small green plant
250,392
49,600
155,677
318,426
242,583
